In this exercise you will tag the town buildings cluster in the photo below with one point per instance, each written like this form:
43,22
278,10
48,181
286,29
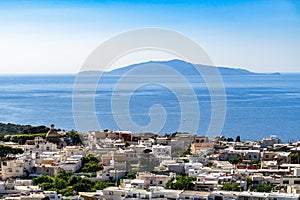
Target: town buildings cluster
145,166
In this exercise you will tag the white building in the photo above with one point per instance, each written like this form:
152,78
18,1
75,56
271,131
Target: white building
133,183
273,139
154,179
72,164
195,166
252,154
12,168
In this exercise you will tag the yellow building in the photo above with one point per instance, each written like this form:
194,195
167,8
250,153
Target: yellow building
12,168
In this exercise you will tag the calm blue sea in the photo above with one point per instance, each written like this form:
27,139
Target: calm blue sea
257,105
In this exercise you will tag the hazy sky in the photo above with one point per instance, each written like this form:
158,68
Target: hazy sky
57,36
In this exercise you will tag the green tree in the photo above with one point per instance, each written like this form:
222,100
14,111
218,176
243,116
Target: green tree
91,167
67,191
22,138
68,184
127,144
181,183
73,180
100,185
235,161
46,186
6,150
75,137
130,175
42,179
264,188
64,175
21,129
89,158
238,139
256,162
90,163
295,158
84,185
231,187
59,183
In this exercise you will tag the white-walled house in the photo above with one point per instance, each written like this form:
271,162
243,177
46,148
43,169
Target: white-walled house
269,141
154,179
195,166
252,154
133,183
75,150
72,164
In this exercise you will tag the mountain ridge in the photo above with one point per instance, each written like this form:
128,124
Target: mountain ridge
182,67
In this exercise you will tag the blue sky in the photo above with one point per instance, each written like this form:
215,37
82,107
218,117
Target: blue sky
57,36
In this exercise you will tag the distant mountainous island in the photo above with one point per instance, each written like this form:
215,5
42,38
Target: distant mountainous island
182,67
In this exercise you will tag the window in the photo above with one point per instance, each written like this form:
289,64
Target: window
267,156
296,181
160,182
285,182
255,156
249,156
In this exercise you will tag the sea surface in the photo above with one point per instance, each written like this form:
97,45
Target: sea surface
257,106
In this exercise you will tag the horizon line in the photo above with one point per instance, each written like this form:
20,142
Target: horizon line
131,64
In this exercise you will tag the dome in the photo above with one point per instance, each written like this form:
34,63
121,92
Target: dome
52,135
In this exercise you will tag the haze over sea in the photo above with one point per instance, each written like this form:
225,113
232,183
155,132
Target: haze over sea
257,105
